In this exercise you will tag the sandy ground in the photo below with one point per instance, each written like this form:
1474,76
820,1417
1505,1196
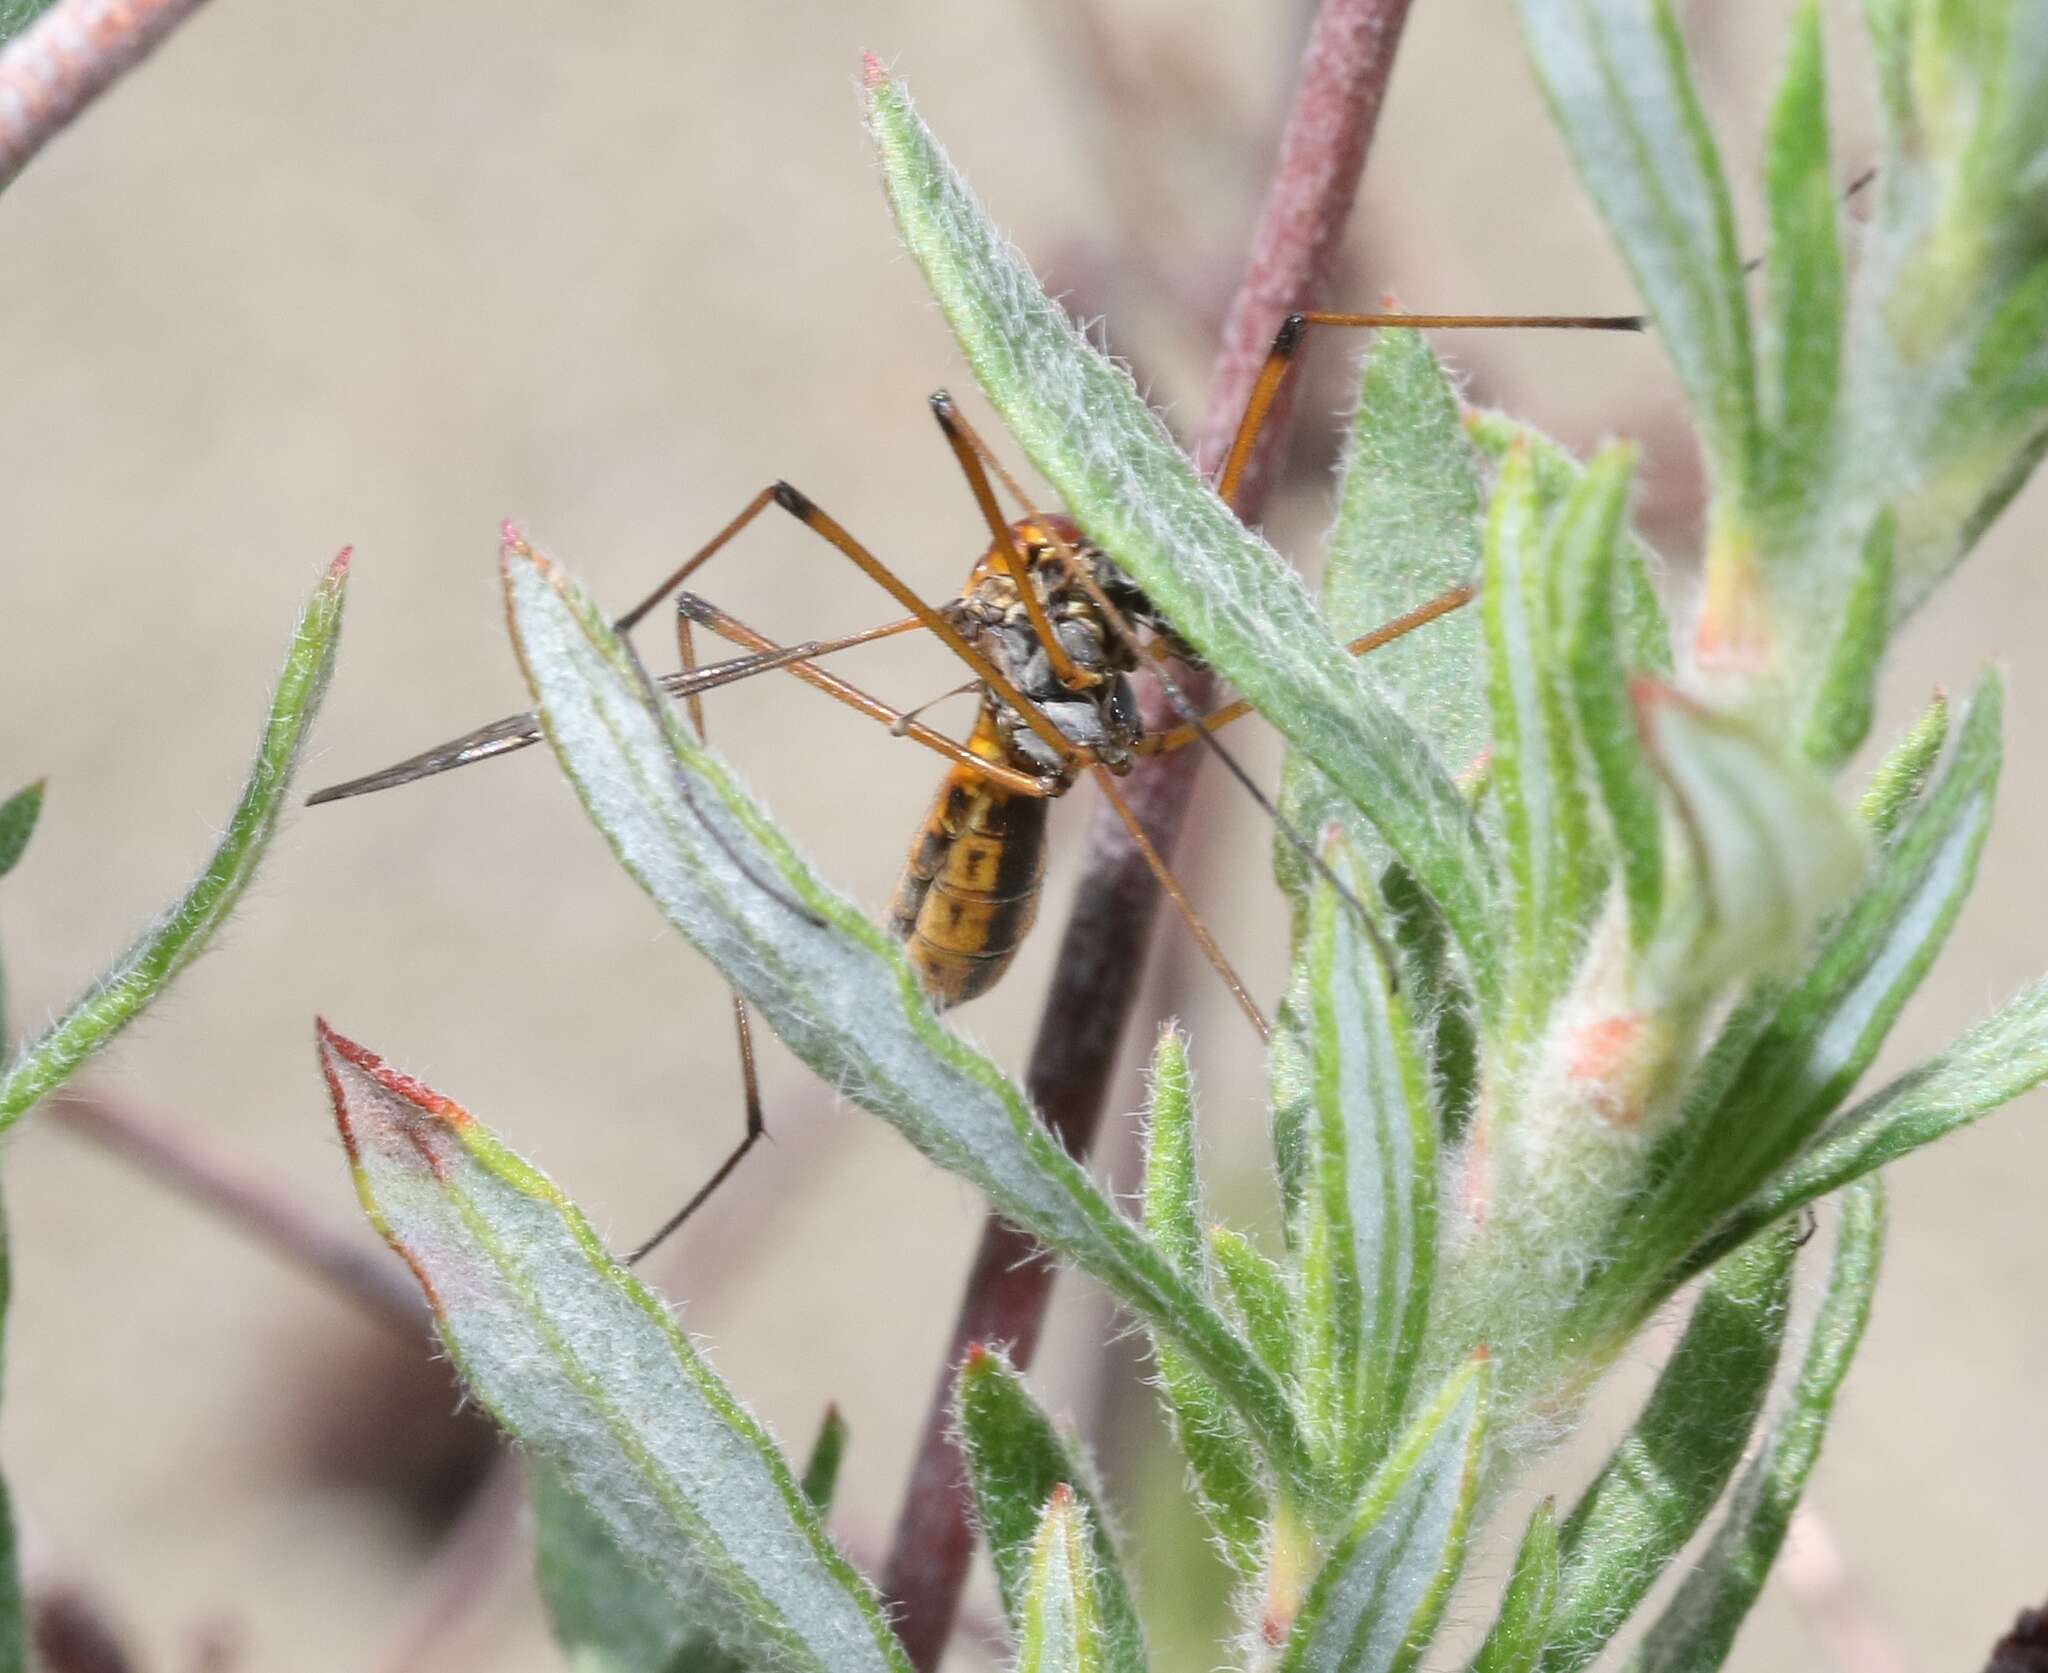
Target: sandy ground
384,274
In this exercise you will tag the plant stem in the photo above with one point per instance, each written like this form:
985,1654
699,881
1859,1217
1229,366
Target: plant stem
1329,129
355,1266
66,59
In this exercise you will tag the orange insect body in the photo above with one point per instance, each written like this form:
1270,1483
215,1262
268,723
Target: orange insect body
970,888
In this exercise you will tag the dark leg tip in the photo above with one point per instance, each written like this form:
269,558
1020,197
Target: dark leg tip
1291,331
793,501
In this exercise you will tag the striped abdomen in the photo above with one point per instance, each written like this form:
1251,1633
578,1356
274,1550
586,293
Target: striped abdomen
969,890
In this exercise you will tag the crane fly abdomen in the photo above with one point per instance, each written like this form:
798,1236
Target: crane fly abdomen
969,890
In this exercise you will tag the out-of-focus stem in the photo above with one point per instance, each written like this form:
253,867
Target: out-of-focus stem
357,1266
66,59
1329,129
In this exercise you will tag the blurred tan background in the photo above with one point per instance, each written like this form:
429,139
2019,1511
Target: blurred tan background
383,274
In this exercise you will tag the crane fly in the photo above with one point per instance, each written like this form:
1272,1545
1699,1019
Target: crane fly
1052,633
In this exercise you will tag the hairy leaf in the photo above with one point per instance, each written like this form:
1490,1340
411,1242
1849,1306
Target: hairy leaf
17,823
1059,1630
1084,425
1515,1645
1657,1488
833,985
181,934
1698,1626
587,1369
1018,1463
1369,1248
1375,1604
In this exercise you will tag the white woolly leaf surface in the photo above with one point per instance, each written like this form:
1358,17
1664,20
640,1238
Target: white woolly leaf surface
1374,1606
834,986
1084,425
589,1372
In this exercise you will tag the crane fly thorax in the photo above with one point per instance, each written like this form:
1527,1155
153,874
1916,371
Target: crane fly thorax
1071,578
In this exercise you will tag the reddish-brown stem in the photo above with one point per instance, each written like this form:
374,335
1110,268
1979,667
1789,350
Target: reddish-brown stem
1329,129
356,1265
66,59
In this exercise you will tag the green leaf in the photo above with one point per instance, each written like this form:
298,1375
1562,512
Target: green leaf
821,1470
1644,634
1840,717
1619,89
181,934
611,1616
1228,1488
1173,1183
1082,423
1586,558
1829,1025
1895,788
1657,1488
1375,1603
1775,851
1698,1626
13,1604
1998,1060
1552,861
1369,1248
832,984
1804,273
17,823
608,1615
1059,1630
590,1373
1017,1463
1407,530
1437,991
1515,1645
1259,1292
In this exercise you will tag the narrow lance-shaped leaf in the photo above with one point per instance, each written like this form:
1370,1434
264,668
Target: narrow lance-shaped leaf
1616,77
1665,1476
1829,1025
1259,1293
1552,862
1369,1248
1376,1602
611,1616
1017,1463
2003,1057
1219,1453
1060,1631
1804,273
1407,532
1083,424
181,934
833,985
1907,769
1644,632
1847,696
587,1369
1515,1645
18,816
1698,1626
1586,558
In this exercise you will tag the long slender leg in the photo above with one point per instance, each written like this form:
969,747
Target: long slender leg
968,451
1280,357
1178,896
750,1080
703,613
1452,598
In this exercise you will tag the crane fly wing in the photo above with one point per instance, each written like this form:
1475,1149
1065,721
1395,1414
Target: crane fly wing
514,732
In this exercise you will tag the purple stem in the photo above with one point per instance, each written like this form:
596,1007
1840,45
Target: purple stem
1322,152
